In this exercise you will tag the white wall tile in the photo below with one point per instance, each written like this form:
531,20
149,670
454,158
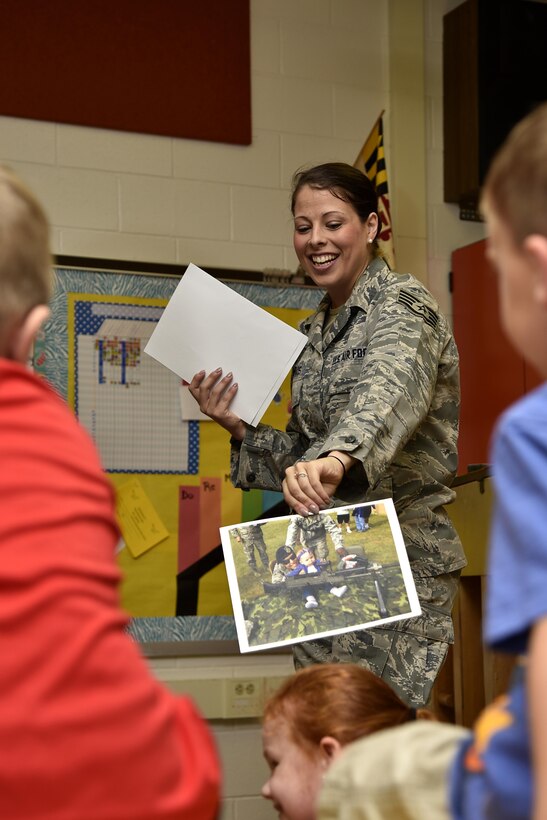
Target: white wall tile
438,270
23,140
113,150
227,809
298,151
147,205
43,181
261,216
174,207
265,43
55,240
255,164
365,16
450,232
307,10
232,255
356,111
254,808
244,768
117,245
202,210
435,178
434,70
411,255
290,261
73,197
344,59
293,105
87,198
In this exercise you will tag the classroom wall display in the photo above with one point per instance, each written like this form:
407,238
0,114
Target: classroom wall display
170,468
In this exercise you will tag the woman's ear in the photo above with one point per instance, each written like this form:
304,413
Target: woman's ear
535,247
23,335
329,749
372,226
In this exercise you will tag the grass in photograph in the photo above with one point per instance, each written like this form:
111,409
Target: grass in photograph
280,615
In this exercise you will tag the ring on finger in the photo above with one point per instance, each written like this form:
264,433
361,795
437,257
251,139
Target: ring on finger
301,475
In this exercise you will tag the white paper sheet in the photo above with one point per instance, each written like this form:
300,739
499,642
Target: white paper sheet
207,325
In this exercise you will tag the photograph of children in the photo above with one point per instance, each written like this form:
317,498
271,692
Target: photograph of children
320,579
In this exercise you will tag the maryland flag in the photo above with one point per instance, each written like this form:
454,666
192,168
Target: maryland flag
371,161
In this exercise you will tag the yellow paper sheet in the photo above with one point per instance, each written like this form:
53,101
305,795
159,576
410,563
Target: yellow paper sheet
139,522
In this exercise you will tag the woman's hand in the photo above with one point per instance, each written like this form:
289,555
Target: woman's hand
214,396
308,486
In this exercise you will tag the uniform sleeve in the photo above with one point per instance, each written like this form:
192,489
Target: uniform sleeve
278,576
263,456
395,387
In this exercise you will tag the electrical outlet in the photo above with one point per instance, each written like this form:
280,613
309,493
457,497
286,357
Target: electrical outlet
243,697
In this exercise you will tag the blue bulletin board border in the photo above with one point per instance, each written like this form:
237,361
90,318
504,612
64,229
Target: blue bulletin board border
181,635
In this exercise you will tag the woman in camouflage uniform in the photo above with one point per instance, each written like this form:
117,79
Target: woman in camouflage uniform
375,407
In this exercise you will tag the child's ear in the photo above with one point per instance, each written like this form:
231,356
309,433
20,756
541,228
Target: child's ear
329,748
22,339
535,247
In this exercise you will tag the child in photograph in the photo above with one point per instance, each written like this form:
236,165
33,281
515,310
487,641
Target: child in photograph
342,517
362,514
308,565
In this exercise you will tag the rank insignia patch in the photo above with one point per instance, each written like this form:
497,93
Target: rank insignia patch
412,302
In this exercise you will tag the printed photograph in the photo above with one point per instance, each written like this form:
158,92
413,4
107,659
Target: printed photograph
298,578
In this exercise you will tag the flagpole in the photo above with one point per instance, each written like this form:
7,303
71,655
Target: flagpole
382,112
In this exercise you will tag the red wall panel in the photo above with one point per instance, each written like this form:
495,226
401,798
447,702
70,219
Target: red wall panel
493,375
170,67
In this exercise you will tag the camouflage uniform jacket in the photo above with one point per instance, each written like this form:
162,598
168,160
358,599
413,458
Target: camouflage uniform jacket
279,573
312,532
383,385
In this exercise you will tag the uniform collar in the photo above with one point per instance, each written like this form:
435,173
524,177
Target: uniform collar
358,300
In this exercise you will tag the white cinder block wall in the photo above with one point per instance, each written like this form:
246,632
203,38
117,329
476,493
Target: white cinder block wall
322,70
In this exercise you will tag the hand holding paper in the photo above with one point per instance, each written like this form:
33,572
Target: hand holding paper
208,325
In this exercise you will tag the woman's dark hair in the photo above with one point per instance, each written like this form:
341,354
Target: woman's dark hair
341,180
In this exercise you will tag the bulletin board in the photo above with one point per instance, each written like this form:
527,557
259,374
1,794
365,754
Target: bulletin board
177,69
91,350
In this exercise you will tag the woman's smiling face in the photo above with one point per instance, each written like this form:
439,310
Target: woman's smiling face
331,241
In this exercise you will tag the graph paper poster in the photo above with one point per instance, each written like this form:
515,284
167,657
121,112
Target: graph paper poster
131,407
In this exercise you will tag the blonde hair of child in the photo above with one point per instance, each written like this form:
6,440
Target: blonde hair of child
516,182
26,275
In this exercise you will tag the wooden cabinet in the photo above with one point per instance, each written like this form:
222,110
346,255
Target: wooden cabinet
493,375
494,73
472,676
